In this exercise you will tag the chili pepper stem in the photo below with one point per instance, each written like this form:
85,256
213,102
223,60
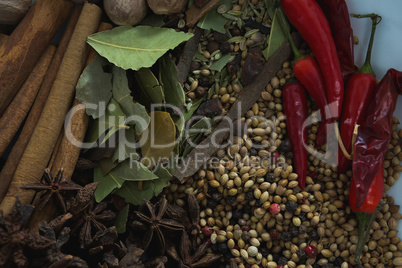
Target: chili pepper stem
365,222
285,29
375,20
341,145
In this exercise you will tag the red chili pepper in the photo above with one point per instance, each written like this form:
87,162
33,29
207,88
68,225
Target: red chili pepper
375,133
307,71
371,145
337,14
358,94
295,106
313,26
374,194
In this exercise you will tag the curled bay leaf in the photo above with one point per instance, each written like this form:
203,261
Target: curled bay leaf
158,140
136,47
135,112
94,87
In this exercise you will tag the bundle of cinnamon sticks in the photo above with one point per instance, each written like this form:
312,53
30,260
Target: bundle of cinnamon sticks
37,90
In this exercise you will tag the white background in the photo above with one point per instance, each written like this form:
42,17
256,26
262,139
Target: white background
387,51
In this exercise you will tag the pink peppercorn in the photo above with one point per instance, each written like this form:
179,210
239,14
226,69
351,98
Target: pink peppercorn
207,231
311,251
274,209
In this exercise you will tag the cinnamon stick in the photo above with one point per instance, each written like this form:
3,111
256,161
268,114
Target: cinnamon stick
20,52
13,159
39,149
249,95
66,153
3,38
194,13
16,112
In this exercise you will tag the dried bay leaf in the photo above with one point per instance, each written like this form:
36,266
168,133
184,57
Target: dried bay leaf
136,47
150,90
173,91
277,36
213,20
159,138
94,86
118,177
136,112
103,128
133,195
218,65
121,220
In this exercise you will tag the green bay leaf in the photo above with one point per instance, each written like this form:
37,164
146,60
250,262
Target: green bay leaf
133,195
159,138
213,20
107,184
173,91
136,112
150,90
277,36
218,65
121,219
94,87
136,47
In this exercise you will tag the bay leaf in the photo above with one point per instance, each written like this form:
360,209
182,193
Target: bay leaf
136,112
101,129
127,170
219,64
136,47
121,219
196,133
213,20
94,87
150,90
277,36
158,139
133,195
173,91
194,106
107,184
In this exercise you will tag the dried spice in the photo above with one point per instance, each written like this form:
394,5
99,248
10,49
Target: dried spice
95,216
14,239
186,259
53,188
55,257
152,221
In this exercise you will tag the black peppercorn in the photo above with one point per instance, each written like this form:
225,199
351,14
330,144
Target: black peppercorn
225,48
302,229
217,196
338,261
314,235
212,203
291,206
231,200
245,236
264,251
249,196
286,236
195,65
270,177
222,248
285,146
204,81
282,261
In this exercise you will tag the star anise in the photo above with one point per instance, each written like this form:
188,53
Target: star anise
14,240
52,188
185,259
153,221
134,256
55,258
92,220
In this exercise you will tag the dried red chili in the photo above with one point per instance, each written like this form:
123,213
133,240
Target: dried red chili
337,14
295,106
313,26
358,94
375,133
